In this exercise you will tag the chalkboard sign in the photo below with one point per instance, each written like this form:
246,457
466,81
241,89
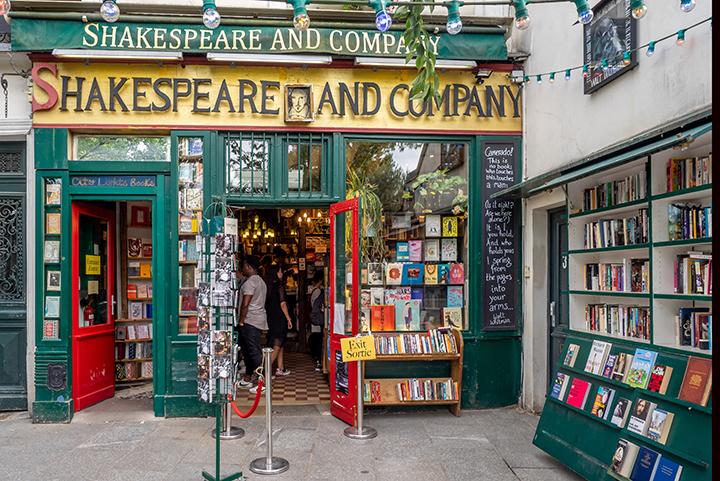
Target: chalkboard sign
501,238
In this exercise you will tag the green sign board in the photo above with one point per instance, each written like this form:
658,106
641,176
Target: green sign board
37,35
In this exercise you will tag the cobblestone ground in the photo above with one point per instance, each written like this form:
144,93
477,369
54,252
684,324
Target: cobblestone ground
121,440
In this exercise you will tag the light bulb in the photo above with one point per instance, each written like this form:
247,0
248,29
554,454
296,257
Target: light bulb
680,37
454,26
586,71
301,21
567,74
211,18
522,23
650,49
552,77
586,16
639,12
626,57
110,11
383,21
685,5
4,7
539,79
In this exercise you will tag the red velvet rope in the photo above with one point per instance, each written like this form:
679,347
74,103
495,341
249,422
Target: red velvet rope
252,409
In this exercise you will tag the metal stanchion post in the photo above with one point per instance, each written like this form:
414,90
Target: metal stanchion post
229,431
269,464
360,432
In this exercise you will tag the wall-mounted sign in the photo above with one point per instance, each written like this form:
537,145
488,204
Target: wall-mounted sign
92,265
611,32
203,96
113,181
36,35
361,348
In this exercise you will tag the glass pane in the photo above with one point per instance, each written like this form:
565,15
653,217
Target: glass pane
190,211
414,242
342,324
115,147
304,167
92,261
248,161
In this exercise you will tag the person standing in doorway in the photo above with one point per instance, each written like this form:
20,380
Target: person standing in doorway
279,320
317,317
252,320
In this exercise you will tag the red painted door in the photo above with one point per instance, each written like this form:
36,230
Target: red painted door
93,306
344,303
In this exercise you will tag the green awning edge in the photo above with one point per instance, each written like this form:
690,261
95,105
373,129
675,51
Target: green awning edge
613,156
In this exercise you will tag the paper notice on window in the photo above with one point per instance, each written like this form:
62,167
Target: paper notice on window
93,287
339,321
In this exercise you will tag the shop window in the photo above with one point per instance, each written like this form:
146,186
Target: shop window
122,147
414,244
247,160
190,212
304,162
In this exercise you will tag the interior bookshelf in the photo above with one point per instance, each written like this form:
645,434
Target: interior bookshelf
665,199
436,345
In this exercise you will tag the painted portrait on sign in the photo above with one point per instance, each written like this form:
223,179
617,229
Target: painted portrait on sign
611,33
298,103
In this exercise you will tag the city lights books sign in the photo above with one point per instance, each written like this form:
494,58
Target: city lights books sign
612,31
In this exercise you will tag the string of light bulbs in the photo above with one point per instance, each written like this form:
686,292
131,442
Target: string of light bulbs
623,58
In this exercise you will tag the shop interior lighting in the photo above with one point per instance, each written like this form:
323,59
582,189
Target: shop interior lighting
383,20
110,11
260,58
454,23
638,9
522,17
116,54
301,19
585,13
400,63
211,17
687,5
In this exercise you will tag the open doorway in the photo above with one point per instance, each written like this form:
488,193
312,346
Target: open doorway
112,298
295,241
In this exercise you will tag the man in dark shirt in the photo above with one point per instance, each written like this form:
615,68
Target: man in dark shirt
278,316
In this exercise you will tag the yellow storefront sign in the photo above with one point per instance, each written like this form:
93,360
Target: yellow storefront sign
361,348
273,98
92,265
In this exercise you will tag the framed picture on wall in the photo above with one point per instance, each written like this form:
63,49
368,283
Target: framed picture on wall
140,215
611,33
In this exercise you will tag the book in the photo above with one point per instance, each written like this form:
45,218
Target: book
697,381
685,324
667,470
431,274
146,270
51,251
415,250
559,386
571,355
599,352
448,250
364,298
52,306
412,273
641,367
639,422
609,365
407,315
432,226
376,274
450,226
432,250
660,423
134,248
393,294
443,273
53,193
393,273
135,310
660,378
623,460
133,269
382,317
621,412
417,293
132,291
53,224
54,280
579,391
147,247
645,464
455,296
377,296
452,317
603,399
402,251
622,366
457,273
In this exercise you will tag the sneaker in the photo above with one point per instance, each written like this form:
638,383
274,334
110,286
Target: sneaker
244,384
253,390
317,366
282,372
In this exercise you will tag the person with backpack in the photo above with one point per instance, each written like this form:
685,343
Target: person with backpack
317,317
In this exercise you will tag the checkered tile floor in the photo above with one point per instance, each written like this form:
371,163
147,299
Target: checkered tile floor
304,385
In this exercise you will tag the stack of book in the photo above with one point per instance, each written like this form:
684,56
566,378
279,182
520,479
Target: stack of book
687,173
642,463
617,232
693,327
633,187
618,319
427,390
613,277
689,221
693,273
433,342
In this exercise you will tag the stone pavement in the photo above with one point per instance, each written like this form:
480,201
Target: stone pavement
120,440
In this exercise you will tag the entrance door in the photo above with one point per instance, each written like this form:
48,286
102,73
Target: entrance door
558,284
93,304
344,302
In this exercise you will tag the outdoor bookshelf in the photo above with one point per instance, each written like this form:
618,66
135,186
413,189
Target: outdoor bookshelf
388,386
593,439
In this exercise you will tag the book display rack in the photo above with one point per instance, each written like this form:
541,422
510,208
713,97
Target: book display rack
52,223
630,396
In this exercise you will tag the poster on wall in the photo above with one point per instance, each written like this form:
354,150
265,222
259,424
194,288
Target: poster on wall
611,32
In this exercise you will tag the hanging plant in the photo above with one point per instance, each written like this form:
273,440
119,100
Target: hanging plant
372,244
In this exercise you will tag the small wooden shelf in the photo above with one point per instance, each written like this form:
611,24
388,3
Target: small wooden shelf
188,263
143,299
194,314
134,379
139,278
389,394
127,341
642,295
141,258
418,357
144,319
144,359
612,208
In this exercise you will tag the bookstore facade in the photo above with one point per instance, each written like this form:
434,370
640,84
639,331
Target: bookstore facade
387,197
